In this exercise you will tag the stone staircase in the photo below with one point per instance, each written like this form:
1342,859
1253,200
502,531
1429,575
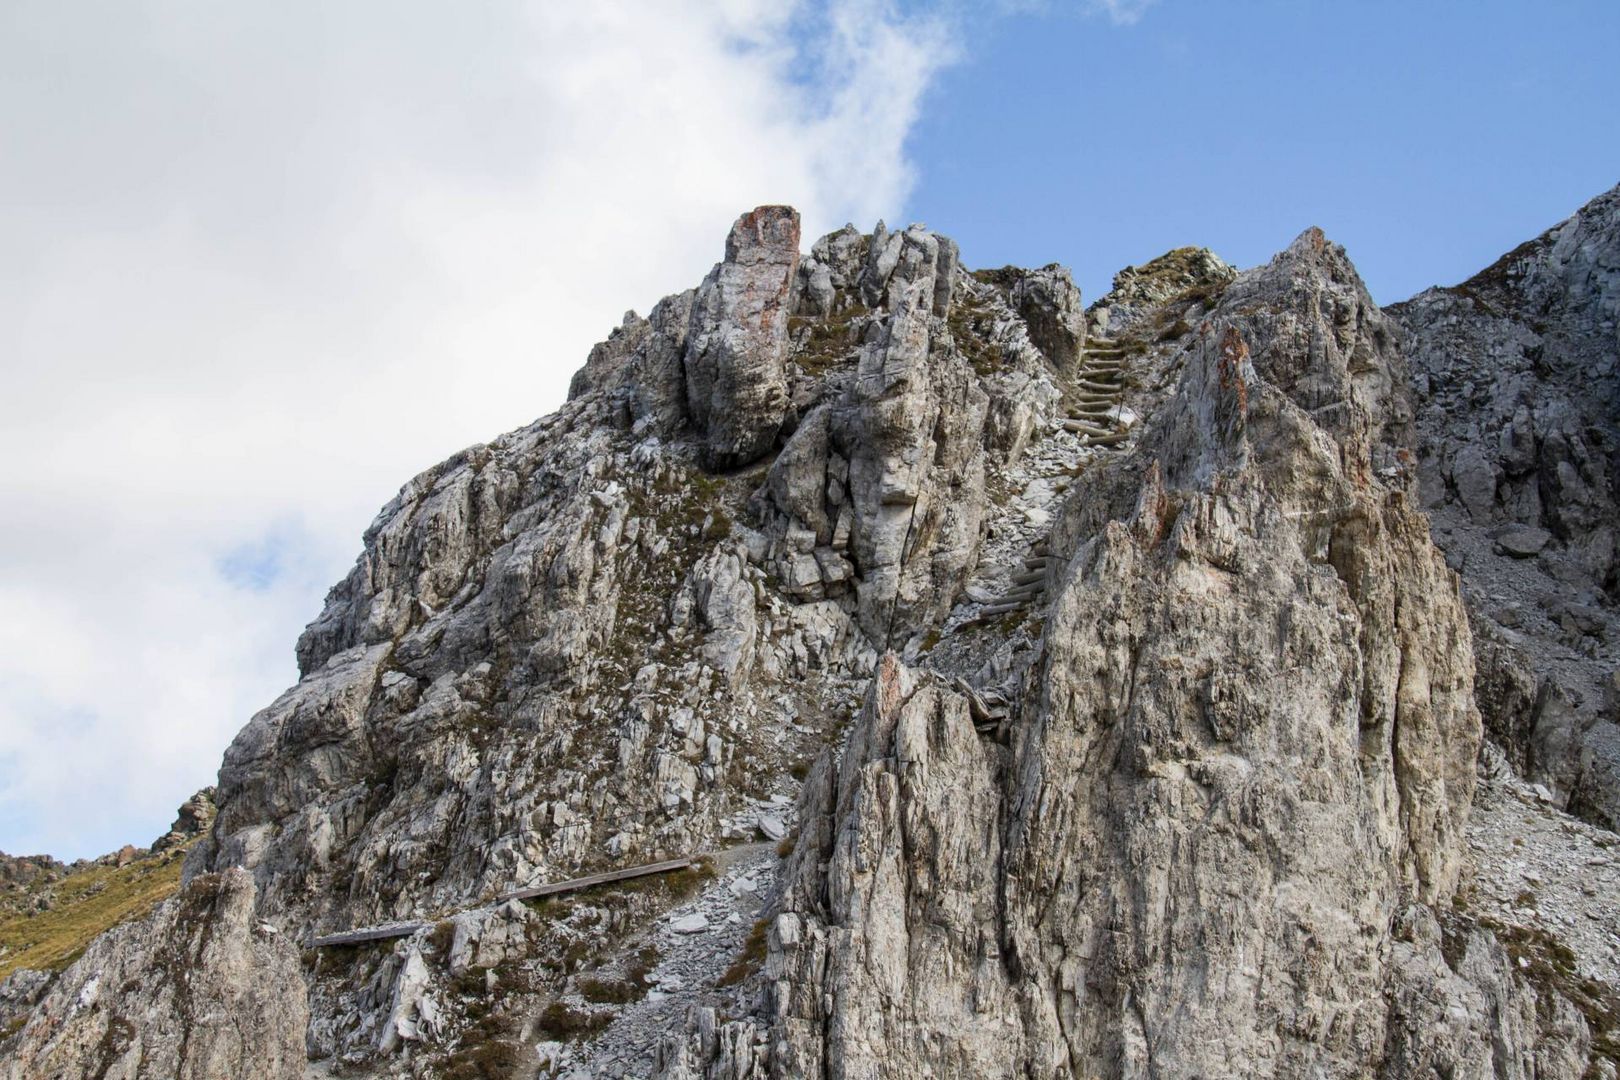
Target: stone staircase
1098,394
1028,584
1095,406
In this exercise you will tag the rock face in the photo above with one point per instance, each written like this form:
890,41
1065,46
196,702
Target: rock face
1246,754
1060,707
736,383
200,990
1516,372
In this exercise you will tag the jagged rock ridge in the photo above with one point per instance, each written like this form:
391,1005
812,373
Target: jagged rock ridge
1129,709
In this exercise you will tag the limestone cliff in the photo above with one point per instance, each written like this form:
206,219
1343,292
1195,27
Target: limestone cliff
1051,692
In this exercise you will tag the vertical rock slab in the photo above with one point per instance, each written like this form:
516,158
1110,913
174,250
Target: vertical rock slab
886,942
1050,303
1255,733
912,426
736,384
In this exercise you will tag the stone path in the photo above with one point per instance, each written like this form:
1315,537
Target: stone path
697,942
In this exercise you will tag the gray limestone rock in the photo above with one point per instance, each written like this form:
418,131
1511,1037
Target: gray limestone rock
735,384
1219,840
1147,755
1517,379
1522,543
1050,304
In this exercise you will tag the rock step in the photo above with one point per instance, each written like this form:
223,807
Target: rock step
1076,426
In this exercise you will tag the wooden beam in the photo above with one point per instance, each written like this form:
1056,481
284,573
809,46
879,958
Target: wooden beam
604,878
405,929
1076,426
374,933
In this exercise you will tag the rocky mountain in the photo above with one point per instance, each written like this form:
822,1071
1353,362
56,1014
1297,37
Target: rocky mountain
1516,374
946,679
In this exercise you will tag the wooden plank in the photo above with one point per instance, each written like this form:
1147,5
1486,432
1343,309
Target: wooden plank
374,933
1076,426
607,877
395,930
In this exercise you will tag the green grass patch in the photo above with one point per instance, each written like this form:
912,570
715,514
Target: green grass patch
827,344
1550,966
87,902
970,328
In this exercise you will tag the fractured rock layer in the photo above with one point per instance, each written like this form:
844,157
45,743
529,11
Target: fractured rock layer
1131,712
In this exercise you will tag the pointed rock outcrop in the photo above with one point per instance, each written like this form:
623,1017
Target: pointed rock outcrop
736,385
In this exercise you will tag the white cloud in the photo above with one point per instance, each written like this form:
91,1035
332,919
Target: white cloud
261,263
1121,12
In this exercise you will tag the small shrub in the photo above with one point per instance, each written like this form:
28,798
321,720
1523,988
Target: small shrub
599,991
751,957
563,1022
487,1051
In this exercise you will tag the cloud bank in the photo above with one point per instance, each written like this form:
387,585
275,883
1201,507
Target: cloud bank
261,263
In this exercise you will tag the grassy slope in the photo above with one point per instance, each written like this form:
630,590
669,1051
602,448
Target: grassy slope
87,902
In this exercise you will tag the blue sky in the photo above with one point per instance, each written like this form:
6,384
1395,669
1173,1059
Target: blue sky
263,263
1428,136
